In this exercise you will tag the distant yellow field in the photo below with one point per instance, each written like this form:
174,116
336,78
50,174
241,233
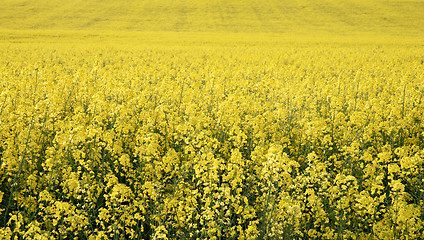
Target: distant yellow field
211,119
275,16
326,19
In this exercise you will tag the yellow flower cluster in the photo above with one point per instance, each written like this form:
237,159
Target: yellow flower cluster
242,142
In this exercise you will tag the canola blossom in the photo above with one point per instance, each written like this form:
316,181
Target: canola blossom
250,142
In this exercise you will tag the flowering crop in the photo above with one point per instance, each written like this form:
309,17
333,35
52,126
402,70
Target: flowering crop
247,142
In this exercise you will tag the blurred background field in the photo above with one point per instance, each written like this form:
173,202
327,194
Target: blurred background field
203,22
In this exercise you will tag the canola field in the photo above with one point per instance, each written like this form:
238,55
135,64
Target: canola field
124,123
